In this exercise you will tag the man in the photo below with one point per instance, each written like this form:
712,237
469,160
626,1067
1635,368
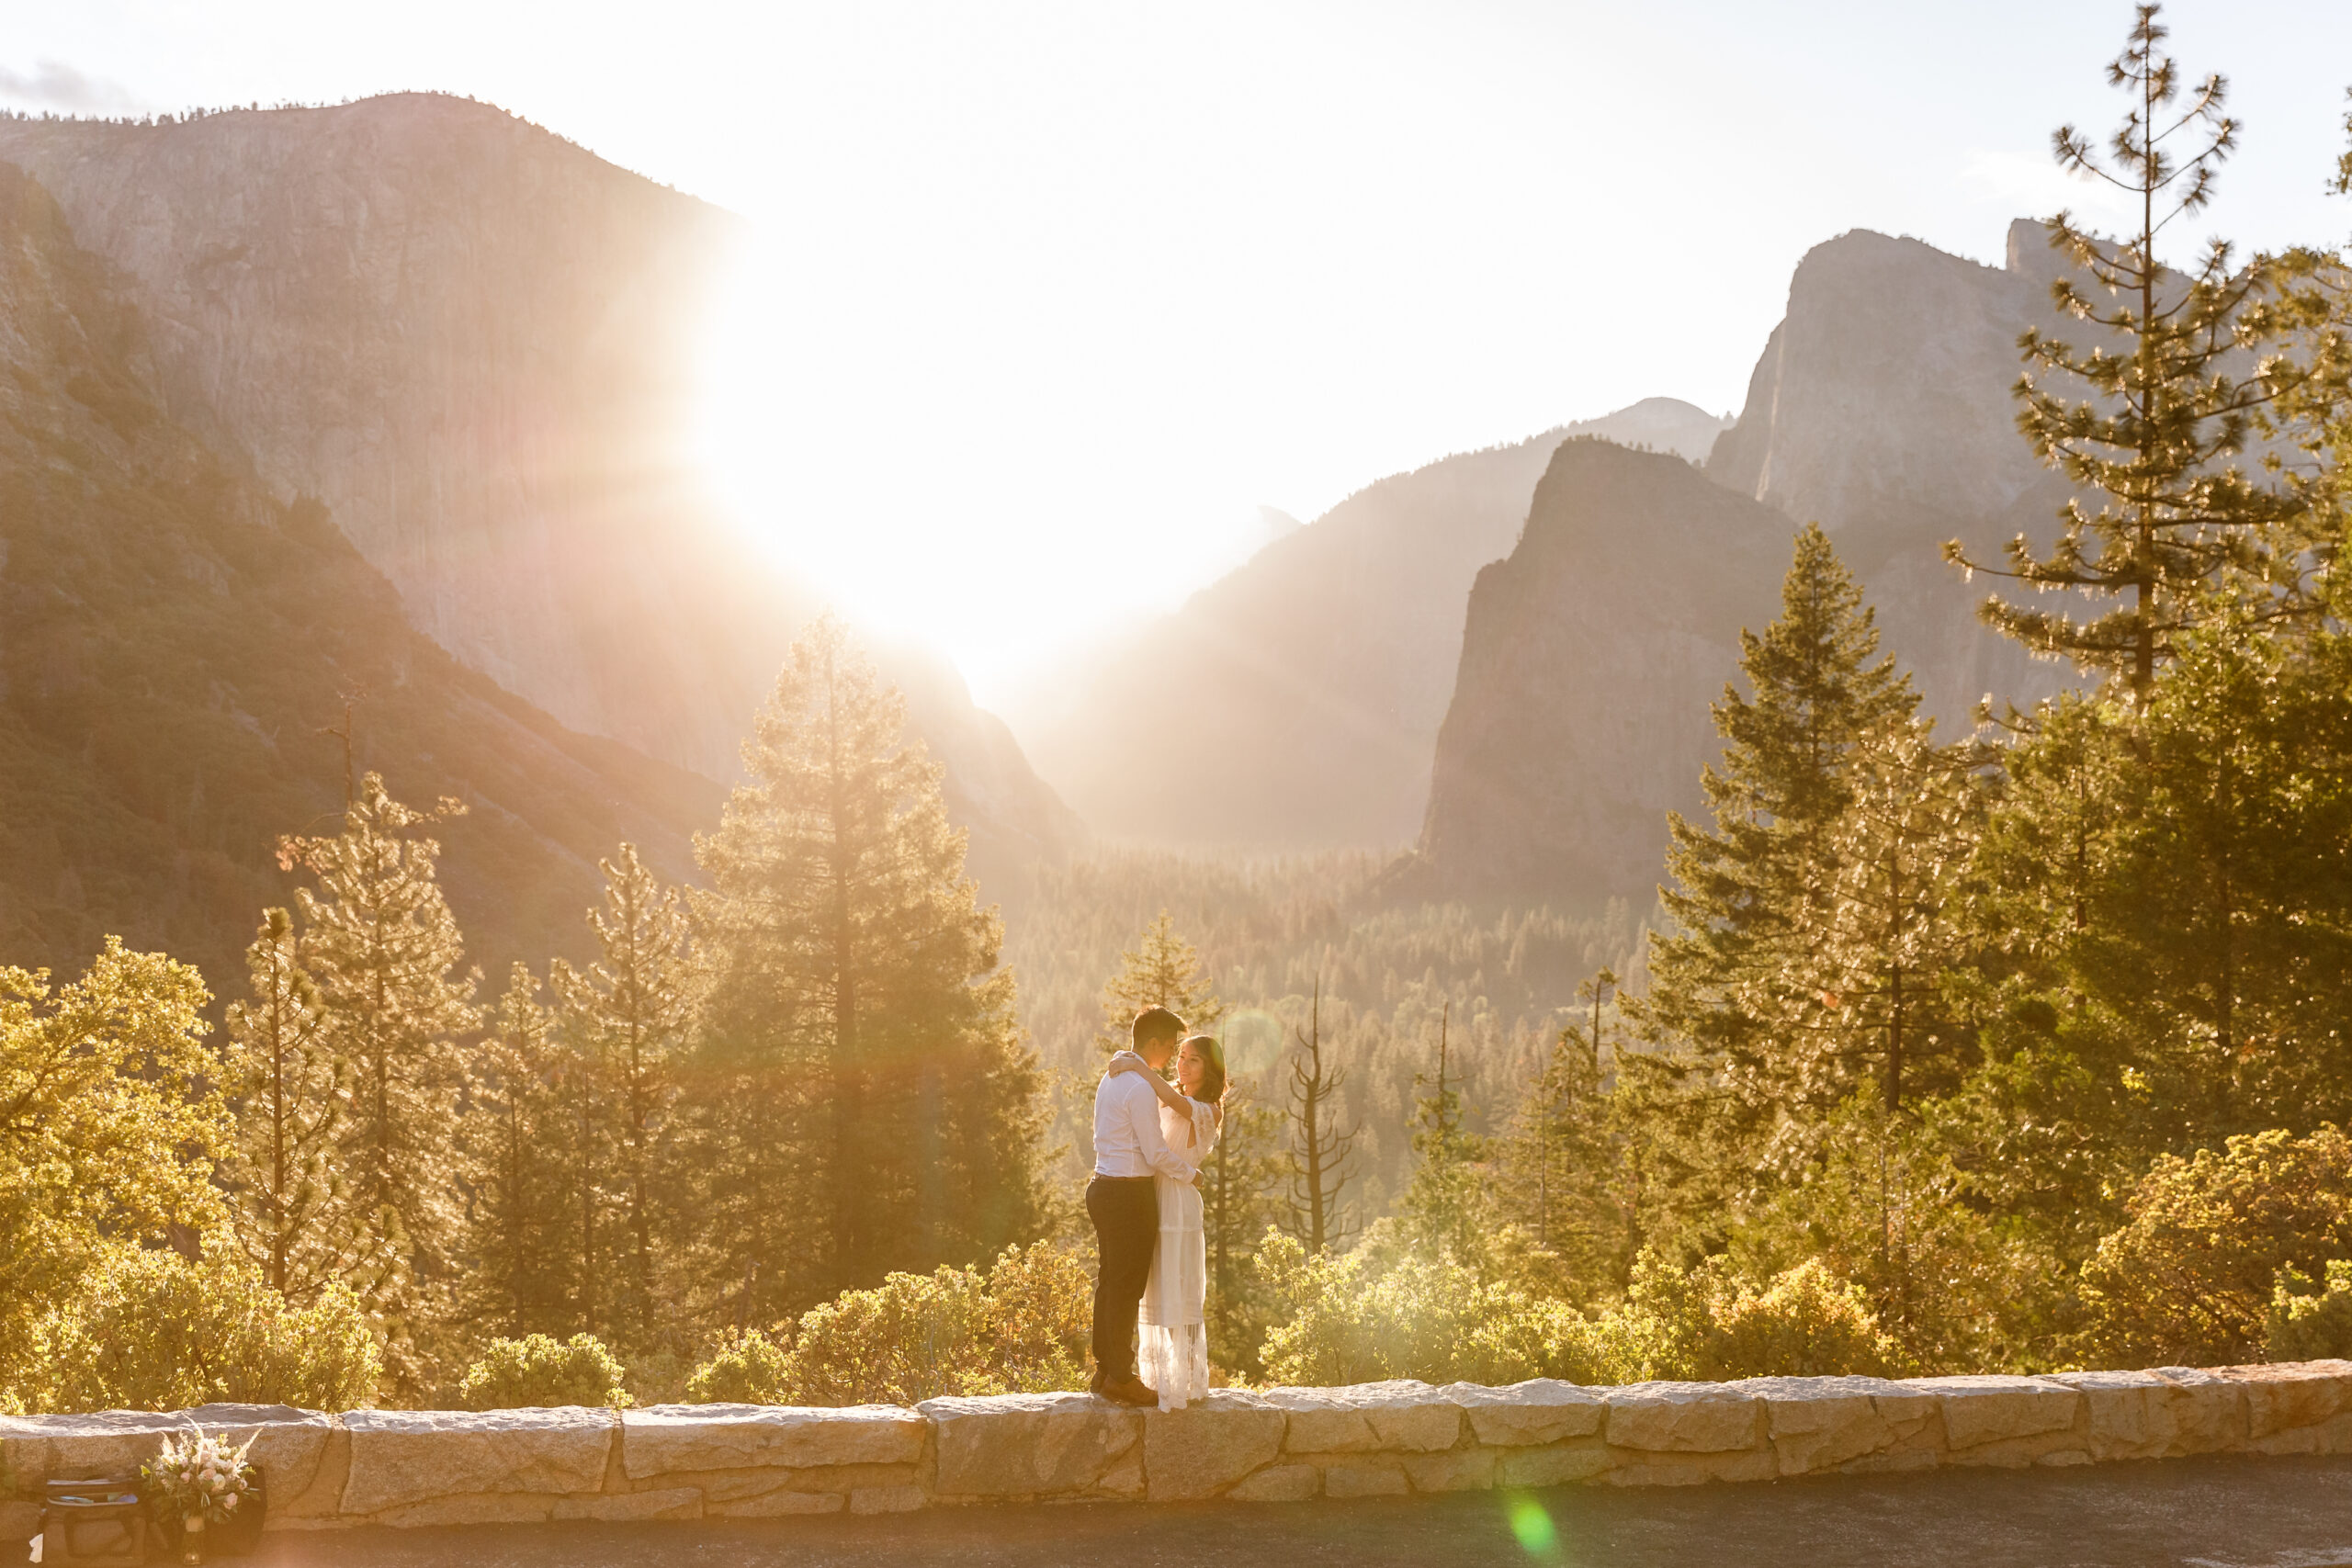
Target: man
1125,1205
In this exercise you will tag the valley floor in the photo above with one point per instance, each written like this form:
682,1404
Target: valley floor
2202,1513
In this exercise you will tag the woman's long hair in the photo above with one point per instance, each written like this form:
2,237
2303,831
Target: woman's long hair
1213,1076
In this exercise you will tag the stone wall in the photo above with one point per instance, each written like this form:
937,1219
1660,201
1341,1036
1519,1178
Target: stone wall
688,1462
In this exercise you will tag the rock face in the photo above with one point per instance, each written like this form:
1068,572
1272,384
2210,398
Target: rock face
1591,655
174,641
472,341
1306,687
1880,409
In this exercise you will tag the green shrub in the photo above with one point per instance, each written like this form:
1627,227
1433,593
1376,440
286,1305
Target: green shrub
1022,1327
1379,1313
747,1369
2189,1278
535,1372
2310,1322
1805,1323
153,1331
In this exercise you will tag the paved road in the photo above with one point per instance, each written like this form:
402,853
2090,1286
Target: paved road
2217,1512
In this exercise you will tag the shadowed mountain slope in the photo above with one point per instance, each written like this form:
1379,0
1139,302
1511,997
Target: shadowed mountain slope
1303,690
1590,660
1881,407
173,642
472,341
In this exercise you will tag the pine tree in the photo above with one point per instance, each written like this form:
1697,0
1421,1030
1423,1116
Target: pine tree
293,1214
379,939
850,955
1318,1150
626,1017
1241,1198
523,1280
1867,994
2163,408
1568,1172
589,1161
1743,894
1161,970
1446,1200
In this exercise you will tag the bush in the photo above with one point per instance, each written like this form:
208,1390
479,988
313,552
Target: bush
535,1372
747,1369
2190,1277
1806,1323
153,1331
1379,1313
1022,1327
2310,1322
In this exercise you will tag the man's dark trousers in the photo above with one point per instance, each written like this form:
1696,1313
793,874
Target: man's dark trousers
1125,1211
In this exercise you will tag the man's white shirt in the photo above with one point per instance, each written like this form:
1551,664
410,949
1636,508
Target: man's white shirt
1127,1131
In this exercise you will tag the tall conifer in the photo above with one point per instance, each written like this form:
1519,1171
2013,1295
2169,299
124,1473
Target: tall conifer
522,1278
293,1215
379,940
1161,970
629,1014
2150,414
1744,893
851,955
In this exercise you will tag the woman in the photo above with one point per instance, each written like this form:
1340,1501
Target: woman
1173,1345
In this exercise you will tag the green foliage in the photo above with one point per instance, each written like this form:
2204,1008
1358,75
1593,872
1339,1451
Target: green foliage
2309,1321
625,1021
1713,1322
1022,1327
381,944
748,1368
293,1210
1161,970
1572,1170
113,1121
2164,404
1732,994
523,1219
1398,1312
535,1371
866,1099
2189,1279
149,1330
1447,1203
1241,1195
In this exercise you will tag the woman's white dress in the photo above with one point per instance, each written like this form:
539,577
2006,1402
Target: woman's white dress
1173,1341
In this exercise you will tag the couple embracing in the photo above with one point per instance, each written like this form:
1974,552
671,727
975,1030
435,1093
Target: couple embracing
1150,1140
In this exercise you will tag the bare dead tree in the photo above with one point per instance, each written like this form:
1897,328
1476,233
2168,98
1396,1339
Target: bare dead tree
1319,1151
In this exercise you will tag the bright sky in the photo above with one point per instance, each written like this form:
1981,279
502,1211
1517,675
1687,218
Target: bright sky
1053,295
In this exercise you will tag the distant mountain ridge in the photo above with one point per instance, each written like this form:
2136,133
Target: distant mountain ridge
1881,407
175,643
1304,690
471,339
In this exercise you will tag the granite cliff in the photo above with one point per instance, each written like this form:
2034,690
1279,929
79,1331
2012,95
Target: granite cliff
174,641
1591,656
1305,688
1881,407
1882,410
470,339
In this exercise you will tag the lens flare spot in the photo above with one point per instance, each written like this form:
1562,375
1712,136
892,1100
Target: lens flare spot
1532,1525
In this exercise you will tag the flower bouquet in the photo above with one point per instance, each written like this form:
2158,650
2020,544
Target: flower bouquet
195,1480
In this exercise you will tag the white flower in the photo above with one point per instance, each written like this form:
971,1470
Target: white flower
230,1501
